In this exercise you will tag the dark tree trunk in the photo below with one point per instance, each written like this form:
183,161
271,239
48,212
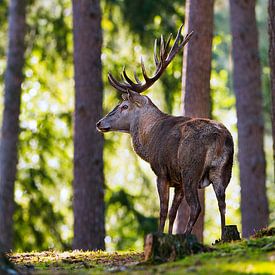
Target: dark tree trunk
159,247
10,126
247,87
89,230
196,83
271,28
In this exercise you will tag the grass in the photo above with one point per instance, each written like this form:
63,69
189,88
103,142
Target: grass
253,256
86,262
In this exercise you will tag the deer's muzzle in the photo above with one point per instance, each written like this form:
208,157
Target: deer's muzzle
101,127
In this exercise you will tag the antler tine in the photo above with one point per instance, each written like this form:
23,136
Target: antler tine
178,46
165,48
186,39
161,61
162,48
144,70
155,53
175,45
136,78
116,84
131,84
168,42
122,77
127,78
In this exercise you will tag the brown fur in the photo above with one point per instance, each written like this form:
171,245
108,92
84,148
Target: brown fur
185,153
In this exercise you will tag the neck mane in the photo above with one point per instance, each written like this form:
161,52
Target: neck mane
141,129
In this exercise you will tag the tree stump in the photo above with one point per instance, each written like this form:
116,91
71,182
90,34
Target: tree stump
159,247
231,233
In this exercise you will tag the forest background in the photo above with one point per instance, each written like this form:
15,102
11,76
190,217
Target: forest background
43,217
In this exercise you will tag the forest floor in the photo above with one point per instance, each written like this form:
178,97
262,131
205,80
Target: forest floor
253,256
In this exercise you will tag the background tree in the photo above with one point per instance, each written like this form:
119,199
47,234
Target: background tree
10,126
271,29
89,231
196,82
247,87
43,212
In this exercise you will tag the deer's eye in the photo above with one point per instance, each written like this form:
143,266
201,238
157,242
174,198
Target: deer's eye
124,107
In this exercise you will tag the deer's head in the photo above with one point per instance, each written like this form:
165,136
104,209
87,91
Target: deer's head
134,104
121,117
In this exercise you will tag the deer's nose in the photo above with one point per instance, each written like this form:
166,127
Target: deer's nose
98,124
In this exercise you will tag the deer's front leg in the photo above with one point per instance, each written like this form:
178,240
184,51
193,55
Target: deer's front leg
163,190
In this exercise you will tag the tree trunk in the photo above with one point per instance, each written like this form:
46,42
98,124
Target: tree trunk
10,126
89,230
247,87
196,83
271,29
159,247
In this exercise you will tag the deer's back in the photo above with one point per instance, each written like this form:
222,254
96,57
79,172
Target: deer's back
180,145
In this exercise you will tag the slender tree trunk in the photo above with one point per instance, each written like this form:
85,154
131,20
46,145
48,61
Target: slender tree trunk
247,87
89,230
271,29
196,82
10,126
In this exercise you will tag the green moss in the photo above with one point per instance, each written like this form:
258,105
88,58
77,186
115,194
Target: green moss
73,260
268,231
253,256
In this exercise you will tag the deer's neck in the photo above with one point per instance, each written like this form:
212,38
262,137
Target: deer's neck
141,132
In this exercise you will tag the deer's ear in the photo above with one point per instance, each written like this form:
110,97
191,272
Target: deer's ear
136,98
124,96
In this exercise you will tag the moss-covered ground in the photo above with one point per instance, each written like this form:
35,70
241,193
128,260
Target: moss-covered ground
253,256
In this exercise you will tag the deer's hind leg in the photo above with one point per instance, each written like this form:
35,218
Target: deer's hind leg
220,177
192,199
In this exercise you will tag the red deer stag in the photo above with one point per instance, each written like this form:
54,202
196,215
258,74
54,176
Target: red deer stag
185,153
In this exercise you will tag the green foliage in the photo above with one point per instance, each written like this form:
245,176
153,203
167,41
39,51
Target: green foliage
127,195
147,16
3,24
36,216
125,205
50,32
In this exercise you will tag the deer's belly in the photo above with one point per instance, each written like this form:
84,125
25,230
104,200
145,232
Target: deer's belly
167,167
174,183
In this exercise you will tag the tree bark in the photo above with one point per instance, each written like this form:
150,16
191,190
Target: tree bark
159,247
196,84
10,127
247,87
89,230
271,30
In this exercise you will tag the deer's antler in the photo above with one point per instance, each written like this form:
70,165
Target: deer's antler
161,61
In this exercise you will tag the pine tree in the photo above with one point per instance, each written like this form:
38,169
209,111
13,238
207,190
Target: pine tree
10,127
88,203
271,29
196,83
247,87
